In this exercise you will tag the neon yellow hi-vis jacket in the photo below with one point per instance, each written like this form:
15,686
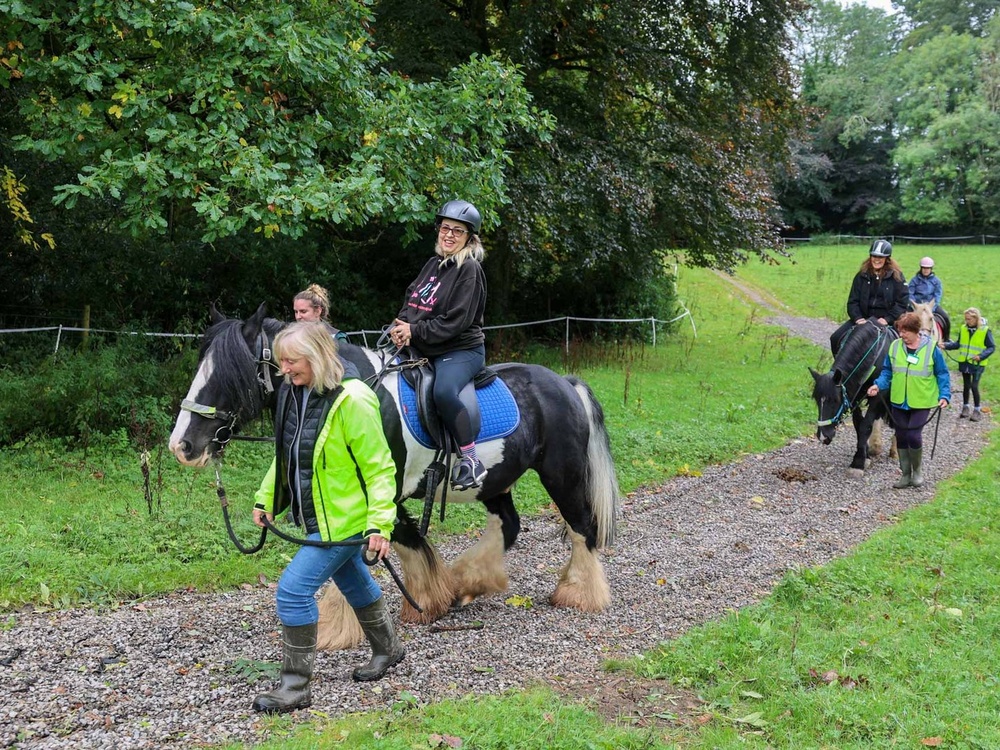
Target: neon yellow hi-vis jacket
353,478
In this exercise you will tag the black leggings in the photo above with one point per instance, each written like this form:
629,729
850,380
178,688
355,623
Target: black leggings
452,372
909,425
970,382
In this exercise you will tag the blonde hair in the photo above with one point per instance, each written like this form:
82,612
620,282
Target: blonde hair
473,249
316,296
312,340
974,311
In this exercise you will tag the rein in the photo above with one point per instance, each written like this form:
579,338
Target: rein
269,526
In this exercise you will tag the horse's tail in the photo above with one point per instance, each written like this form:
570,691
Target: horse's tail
602,481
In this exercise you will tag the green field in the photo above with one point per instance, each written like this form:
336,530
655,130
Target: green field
915,611
816,279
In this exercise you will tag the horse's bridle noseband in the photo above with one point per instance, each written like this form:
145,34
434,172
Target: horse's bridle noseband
222,435
845,407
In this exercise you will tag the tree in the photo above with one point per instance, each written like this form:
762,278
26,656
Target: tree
845,57
263,116
672,119
949,152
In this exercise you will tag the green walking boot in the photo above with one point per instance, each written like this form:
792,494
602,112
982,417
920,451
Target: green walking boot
905,465
299,647
916,458
387,649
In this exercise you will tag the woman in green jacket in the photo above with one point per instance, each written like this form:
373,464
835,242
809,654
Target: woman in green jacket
334,474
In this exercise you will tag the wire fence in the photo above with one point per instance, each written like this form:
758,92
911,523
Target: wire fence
979,239
364,334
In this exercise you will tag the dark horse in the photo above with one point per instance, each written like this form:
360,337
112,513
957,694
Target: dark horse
561,435
843,390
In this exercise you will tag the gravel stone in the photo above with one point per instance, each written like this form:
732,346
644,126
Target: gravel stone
170,672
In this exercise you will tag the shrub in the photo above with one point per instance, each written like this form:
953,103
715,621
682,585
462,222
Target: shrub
131,384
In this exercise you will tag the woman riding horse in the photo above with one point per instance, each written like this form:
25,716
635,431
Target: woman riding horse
926,288
878,293
442,318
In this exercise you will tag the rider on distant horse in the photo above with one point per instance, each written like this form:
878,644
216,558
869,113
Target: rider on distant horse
442,317
879,291
926,287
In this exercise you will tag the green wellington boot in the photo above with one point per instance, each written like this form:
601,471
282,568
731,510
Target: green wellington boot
299,646
916,458
387,649
906,465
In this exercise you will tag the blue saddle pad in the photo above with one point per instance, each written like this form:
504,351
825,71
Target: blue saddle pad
500,415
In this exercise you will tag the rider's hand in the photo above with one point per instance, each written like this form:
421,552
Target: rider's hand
259,515
400,333
883,322
859,321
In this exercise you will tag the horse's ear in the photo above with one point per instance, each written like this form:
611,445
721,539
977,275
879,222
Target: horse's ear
255,322
838,376
214,315
816,375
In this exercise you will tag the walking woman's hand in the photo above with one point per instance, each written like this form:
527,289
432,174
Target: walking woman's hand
259,516
378,544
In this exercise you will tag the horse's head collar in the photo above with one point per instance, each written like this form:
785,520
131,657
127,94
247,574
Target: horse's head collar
225,432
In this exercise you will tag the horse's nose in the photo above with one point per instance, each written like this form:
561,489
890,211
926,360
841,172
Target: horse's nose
181,448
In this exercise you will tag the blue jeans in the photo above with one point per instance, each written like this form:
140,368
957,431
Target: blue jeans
311,568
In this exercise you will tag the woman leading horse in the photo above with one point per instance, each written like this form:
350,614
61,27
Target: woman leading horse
560,434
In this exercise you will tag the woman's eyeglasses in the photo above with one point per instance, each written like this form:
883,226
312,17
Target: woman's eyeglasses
456,232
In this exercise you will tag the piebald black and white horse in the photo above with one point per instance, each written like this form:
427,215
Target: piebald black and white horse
560,434
843,391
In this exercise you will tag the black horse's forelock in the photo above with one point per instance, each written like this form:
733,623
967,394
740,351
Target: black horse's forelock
824,388
235,366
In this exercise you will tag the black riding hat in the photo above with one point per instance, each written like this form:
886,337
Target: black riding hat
462,211
880,249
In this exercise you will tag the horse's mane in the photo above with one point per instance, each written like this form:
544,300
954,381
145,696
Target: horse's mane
862,350
234,365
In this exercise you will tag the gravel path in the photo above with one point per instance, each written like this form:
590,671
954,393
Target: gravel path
172,671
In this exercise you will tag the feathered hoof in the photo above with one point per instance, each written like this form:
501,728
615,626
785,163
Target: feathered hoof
432,613
582,598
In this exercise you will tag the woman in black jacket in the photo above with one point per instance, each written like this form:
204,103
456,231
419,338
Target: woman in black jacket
879,293
442,318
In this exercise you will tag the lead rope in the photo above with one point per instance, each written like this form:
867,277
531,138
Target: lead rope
268,526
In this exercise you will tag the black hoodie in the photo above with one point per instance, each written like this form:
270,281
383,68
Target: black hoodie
444,306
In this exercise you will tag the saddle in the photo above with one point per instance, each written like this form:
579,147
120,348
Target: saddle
492,409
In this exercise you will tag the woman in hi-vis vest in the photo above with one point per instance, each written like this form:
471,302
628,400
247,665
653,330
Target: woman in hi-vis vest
917,377
975,345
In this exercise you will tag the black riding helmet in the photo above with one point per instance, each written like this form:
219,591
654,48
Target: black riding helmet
462,211
880,249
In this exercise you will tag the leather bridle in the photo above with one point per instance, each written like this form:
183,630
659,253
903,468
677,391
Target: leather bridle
264,360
